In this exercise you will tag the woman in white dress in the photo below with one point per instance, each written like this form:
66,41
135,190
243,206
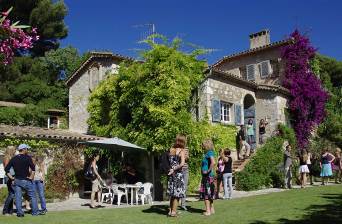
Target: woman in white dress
303,168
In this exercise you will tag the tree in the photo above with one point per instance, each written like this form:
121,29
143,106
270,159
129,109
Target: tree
63,59
308,98
330,71
148,102
27,80
46,15
332,68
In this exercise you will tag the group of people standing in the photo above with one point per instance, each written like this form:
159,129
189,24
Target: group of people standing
245,138
24,174
330,164
178,175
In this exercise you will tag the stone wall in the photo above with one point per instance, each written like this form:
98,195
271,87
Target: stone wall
224,90
81,89
270,106
78,100
237,66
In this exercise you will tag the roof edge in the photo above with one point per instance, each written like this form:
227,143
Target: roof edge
96,54
254,50
250,84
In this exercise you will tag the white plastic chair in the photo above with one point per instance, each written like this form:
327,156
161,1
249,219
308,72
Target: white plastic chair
108,195
136,192
119,193
146,194
2,174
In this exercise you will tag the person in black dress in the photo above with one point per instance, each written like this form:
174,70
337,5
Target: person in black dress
176,187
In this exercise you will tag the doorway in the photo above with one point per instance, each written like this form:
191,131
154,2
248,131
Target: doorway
249,116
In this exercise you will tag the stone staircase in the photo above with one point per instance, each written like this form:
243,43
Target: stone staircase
239,165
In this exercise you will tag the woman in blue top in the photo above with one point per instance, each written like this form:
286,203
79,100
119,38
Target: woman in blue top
207,189
250,133
326,160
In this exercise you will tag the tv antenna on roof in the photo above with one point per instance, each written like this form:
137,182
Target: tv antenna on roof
151,29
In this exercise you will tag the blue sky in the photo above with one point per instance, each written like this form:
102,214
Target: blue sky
223,25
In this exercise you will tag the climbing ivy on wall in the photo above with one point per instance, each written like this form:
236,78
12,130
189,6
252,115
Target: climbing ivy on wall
149,103
34,144
308,97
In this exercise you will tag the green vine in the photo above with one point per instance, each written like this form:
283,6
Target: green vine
38,146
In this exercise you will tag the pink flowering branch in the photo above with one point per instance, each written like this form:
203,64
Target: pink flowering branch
12,37
308,98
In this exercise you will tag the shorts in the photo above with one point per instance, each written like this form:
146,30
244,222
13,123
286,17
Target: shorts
95,187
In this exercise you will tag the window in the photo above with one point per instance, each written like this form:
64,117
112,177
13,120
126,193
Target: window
220,111
225,112
93,77
265,69
250,72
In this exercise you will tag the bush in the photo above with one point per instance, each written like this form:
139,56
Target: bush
64,174
264,169
288,134
3,195
50,195
28,115
249,181
11,116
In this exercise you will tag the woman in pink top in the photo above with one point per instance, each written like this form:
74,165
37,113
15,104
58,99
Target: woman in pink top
219,172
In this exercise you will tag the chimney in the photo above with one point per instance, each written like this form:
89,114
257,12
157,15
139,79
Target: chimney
259,39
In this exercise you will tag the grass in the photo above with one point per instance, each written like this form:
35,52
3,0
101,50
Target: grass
311,205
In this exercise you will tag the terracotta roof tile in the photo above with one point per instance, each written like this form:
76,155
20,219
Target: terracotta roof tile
251,84
43,133
232,77
253,50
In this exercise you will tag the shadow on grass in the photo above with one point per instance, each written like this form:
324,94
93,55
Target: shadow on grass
158,209
317,214
164,209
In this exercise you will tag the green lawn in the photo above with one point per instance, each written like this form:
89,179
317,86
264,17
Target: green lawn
312,205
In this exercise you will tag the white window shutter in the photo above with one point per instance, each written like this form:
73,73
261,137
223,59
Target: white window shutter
251,72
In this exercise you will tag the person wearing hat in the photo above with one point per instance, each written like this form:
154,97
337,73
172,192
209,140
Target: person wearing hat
21,164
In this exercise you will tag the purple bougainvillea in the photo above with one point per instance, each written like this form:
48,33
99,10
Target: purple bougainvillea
308,98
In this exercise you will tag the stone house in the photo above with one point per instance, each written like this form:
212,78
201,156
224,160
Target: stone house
238,87
246,86
83,81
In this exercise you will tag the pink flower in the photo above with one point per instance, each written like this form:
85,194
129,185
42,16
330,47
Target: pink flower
13,39
5,14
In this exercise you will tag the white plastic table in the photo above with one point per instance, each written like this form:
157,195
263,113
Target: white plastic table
134,189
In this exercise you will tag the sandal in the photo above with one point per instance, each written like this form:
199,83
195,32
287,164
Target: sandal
206,213
174,215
